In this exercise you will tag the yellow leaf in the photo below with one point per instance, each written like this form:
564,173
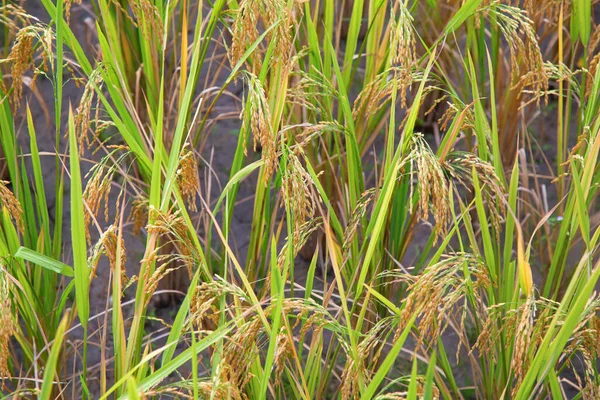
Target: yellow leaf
524,269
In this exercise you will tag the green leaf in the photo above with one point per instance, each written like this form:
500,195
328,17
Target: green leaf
50,369
167,369
44,261
429,378
465,11
581,20
78,235
412,386
132,391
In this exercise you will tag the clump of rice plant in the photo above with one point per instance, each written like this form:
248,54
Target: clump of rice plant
415,183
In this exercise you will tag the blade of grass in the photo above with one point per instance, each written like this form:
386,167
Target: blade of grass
78,234
50,370
44,261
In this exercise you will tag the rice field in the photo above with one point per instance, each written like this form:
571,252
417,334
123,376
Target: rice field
299,199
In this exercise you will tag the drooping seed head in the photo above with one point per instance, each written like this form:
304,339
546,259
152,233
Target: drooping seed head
6,325
187,178
12,204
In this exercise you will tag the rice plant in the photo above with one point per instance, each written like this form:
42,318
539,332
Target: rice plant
371,199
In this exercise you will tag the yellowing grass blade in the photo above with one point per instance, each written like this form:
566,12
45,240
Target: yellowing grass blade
523,267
